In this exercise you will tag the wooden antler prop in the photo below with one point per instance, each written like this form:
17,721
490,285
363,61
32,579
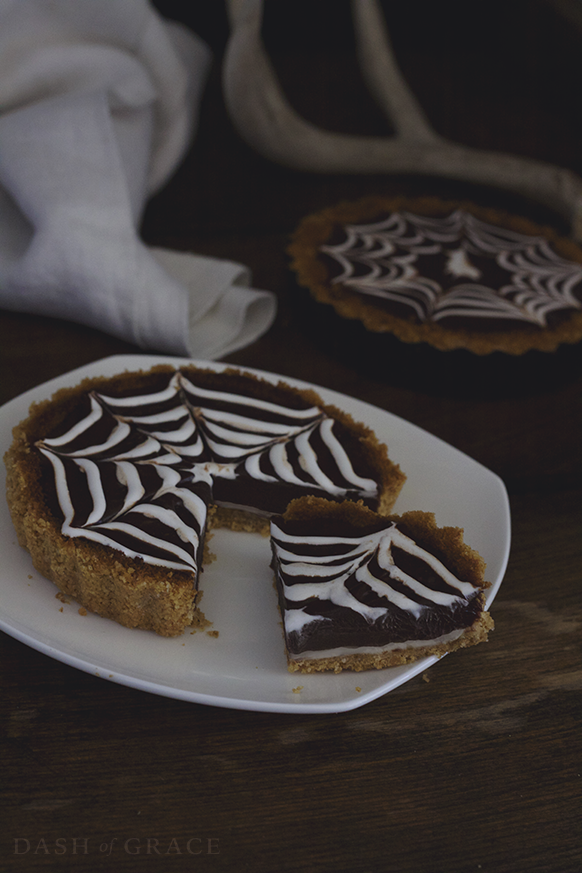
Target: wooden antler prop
265,120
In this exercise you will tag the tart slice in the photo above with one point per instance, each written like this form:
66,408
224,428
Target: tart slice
358,590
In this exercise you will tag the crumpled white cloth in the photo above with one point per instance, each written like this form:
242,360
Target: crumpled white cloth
98,103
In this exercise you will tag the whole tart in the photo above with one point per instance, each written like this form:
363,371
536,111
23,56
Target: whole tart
114,484
447,273
359,591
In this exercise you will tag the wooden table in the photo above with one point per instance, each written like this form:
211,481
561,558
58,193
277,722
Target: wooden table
474,766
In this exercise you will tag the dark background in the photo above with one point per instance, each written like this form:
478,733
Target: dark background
474,767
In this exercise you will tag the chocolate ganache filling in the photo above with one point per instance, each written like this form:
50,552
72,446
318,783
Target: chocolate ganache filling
376,589
137,473
455,270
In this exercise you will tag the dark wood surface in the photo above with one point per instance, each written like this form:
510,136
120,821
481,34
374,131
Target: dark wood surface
474,766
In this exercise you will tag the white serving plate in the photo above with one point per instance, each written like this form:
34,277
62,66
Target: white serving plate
244,667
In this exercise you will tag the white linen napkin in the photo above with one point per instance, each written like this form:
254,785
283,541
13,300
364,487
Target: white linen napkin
99,101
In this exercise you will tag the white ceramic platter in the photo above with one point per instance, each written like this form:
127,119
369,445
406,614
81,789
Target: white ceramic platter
244,666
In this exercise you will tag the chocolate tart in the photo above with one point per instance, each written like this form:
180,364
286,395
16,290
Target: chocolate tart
114,484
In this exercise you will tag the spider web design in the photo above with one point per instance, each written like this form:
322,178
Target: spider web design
438,268
137,473
342,590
